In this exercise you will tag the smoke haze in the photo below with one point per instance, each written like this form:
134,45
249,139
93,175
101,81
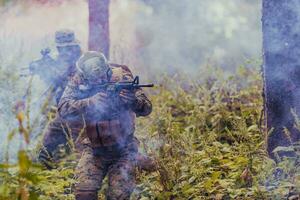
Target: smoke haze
156,34
186,34
151,35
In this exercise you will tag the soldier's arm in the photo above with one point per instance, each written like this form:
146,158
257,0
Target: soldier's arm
73,107
142,105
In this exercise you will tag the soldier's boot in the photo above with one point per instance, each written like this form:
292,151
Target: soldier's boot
146,163
46,159
86,195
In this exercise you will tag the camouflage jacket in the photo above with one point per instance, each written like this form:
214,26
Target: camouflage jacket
78,106
54,72
61,75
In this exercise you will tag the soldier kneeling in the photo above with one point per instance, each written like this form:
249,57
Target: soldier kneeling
109,144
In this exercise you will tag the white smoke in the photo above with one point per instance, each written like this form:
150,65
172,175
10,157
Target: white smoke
35,24
25,29
164,35
156,36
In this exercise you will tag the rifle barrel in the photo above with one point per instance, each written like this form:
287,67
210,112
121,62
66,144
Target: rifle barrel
146,85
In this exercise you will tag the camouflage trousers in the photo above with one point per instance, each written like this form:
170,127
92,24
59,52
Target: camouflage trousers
59,139
91,171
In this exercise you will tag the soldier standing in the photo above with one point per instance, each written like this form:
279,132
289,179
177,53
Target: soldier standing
58,132
110,147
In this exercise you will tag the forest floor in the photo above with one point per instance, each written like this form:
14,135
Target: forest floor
208,139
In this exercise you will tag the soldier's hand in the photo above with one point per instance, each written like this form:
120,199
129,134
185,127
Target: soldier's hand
127,97
100,99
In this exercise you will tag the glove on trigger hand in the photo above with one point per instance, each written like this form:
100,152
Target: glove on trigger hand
99,101
127,97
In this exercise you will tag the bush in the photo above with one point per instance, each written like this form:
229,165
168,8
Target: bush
207,137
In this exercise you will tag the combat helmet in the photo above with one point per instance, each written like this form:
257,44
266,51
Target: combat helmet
93,65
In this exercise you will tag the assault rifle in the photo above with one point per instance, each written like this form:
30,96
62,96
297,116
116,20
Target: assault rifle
41,67
47,69
116,87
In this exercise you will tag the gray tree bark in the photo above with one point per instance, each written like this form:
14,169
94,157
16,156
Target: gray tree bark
99,26
281,45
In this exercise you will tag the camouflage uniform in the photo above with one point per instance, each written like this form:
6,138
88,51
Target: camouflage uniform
58,132
110,146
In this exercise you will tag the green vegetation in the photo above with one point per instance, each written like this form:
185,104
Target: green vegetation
206,135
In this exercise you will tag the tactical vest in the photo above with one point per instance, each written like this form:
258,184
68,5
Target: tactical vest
115,132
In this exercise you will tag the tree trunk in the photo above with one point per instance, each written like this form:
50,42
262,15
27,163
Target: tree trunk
281,45
99,26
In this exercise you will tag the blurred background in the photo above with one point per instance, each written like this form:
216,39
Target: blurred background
157,37
167,33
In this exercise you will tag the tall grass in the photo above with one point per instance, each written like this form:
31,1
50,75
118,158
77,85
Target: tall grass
206,135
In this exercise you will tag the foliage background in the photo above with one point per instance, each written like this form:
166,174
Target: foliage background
207,136
206,132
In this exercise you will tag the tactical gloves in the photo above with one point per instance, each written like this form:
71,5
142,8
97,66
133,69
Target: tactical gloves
127,97
135,100
99,102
